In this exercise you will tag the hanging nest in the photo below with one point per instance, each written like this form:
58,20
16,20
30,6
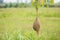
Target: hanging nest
36,25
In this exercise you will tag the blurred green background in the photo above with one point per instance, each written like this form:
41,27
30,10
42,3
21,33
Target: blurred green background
16,24
16,21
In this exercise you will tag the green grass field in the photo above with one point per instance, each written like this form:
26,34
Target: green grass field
16,24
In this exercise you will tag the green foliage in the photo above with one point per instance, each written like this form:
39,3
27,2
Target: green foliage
43,2
10,5
52,1
6,5
36,3
15,5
